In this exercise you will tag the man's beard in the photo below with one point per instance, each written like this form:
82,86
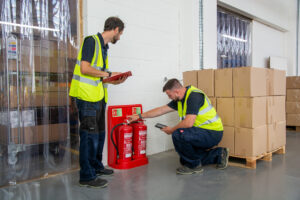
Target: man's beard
114,40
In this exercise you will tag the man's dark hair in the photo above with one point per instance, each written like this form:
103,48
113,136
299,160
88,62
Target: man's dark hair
113,22
172,84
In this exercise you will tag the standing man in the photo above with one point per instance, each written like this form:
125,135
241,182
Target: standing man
199,130
91,99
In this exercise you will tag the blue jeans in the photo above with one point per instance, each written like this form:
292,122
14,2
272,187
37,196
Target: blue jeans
92,137
194,146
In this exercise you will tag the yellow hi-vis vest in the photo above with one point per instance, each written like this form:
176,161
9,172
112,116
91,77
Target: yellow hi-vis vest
85,87
207,117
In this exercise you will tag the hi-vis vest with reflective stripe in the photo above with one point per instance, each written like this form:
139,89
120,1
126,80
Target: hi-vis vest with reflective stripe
85,87
207,117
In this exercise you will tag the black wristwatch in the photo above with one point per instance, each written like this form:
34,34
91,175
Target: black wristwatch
140,116
109,73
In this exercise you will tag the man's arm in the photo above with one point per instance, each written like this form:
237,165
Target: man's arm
152,113
186,123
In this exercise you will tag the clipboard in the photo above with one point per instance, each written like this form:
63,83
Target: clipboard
117,77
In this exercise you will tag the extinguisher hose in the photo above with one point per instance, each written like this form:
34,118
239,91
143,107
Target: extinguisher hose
112,138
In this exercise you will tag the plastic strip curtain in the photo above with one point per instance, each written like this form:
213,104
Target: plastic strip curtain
37,56
234,40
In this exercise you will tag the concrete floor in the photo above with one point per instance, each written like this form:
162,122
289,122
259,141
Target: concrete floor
279,179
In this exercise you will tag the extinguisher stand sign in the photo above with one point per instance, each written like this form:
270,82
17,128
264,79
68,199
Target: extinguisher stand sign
136,110
117,112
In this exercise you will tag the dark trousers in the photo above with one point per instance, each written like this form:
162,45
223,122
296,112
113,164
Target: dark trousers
92,137
194,146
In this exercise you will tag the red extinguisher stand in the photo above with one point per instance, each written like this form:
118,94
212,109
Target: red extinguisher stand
126,143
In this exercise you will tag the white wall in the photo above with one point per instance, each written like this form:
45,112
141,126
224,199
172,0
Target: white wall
210,34
266,41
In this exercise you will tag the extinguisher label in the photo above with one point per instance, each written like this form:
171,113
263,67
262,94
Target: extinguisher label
128,144
142,146
142,152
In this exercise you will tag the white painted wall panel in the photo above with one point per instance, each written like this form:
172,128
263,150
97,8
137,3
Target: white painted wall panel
266,42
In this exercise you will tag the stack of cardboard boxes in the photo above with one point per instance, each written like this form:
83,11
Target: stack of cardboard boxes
251,104
293,101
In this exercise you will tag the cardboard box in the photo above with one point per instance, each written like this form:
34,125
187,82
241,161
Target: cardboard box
206,81
226,110
276,82
29,98
293,107
213,101
190,78
293,82
276,135
55,99
40,134
270,110
293,95
228,139
249,82
250,142
280,134
271,138
223,83
279,108
293,119
250,112
275,109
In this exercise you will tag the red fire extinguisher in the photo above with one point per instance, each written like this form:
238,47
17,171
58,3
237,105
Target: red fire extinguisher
139,140
124,142
126,135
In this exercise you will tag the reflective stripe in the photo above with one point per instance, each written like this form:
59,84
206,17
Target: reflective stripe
97,49
210,121
207,109
105,85
86,80
94,66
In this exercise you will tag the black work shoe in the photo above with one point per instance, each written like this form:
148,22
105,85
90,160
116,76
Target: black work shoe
186,170
224,159
96,183
105,172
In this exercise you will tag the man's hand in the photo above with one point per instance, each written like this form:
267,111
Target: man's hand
168,130
119,81
132,118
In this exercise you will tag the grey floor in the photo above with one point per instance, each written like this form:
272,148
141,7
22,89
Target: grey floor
279,179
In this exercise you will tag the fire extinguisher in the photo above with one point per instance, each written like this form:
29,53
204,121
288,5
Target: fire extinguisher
139,140
128,134
124,139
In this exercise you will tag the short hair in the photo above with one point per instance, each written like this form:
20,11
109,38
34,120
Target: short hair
112,23
172,84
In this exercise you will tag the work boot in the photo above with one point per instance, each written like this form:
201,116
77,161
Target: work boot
186,170
104,172
96,183
224,159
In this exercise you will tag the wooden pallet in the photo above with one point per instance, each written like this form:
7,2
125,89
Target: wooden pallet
293,128
250,162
